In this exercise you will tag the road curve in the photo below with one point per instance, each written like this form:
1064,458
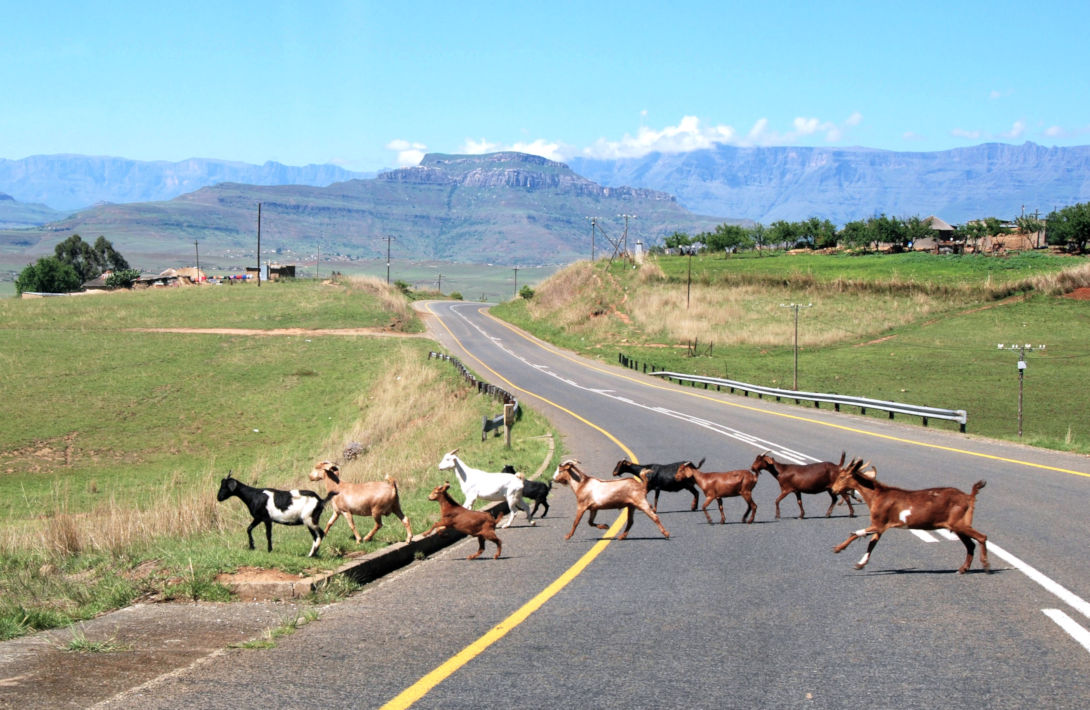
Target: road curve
734,615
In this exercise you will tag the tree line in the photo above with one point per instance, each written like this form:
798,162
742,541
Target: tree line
1068,227
74,263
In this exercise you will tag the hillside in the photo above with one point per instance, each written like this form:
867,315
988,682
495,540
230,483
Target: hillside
507,208
70,182
16,214
843,184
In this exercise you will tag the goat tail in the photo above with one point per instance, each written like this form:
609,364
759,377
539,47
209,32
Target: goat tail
977,486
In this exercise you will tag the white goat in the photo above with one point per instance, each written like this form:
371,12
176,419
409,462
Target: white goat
488,486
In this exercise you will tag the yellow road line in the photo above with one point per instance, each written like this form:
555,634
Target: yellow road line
842,427
421,687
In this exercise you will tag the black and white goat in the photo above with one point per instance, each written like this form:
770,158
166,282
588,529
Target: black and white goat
269,505
536,491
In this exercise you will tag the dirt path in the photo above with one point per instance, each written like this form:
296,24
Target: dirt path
282,331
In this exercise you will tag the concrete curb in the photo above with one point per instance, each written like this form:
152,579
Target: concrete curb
369,567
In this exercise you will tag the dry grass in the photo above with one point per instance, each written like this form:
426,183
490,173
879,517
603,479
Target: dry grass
404,419
389,296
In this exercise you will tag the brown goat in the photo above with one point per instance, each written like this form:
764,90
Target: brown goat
802,478
927,509
373,498
476,523
722,484
594,494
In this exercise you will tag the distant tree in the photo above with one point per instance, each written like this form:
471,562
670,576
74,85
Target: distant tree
526,293
973,232
855,235
1069,227
758,235
729,237
1028,224
122,278
48,275
456,295
917,229
678,240
823,231
782,233
887,230
109,257
87,260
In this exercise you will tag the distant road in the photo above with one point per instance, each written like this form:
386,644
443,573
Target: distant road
761,615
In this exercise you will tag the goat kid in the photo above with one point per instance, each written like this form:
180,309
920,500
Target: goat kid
468,522
722,484
536,491
662,477
803,478
370,498
926,509
488,486
270,505
594,494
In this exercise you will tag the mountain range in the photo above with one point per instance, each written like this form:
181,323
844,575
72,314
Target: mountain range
507,208
513,207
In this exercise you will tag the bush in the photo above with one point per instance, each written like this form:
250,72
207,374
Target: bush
48,275
526,293
122,279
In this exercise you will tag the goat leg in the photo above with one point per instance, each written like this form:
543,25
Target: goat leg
783,495
250,532
369,536
696,497
866,556
578,516
832,504
705,509
268,533
333,519
590,520
802,513
631,513
480,548
651,514
967,535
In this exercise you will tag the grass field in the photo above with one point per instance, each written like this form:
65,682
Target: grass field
115,440
912,328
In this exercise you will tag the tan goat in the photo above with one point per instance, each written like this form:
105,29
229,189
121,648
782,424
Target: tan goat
594,494
371,498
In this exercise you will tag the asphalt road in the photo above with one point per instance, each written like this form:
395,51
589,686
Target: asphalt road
761,615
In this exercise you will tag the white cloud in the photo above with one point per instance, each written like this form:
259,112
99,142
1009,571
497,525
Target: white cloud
689,134
962,133
407,153
1016,131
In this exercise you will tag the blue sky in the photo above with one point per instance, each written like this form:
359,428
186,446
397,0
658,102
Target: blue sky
372,85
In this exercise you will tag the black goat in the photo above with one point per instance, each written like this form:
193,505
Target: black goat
270,505
536,491
661,477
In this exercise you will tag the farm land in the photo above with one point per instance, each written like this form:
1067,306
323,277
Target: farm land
916,328
109,470
128,417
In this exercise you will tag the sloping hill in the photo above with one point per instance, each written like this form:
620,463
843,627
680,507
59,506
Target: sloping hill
507,208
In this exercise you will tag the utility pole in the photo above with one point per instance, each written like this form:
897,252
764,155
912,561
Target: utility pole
388,240
626,218
317,260
439,288
593,224
259,244
197,250
516,281
1021,373
796,306
689,281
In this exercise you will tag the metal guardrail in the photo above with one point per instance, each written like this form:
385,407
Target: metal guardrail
863,403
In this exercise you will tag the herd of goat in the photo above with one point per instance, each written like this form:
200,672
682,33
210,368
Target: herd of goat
927,509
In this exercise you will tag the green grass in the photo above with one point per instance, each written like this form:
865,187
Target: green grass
945,358
918,268
116,440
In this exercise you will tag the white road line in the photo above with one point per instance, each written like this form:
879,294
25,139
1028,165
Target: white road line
1068,624
1068,597
946,534
923,535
